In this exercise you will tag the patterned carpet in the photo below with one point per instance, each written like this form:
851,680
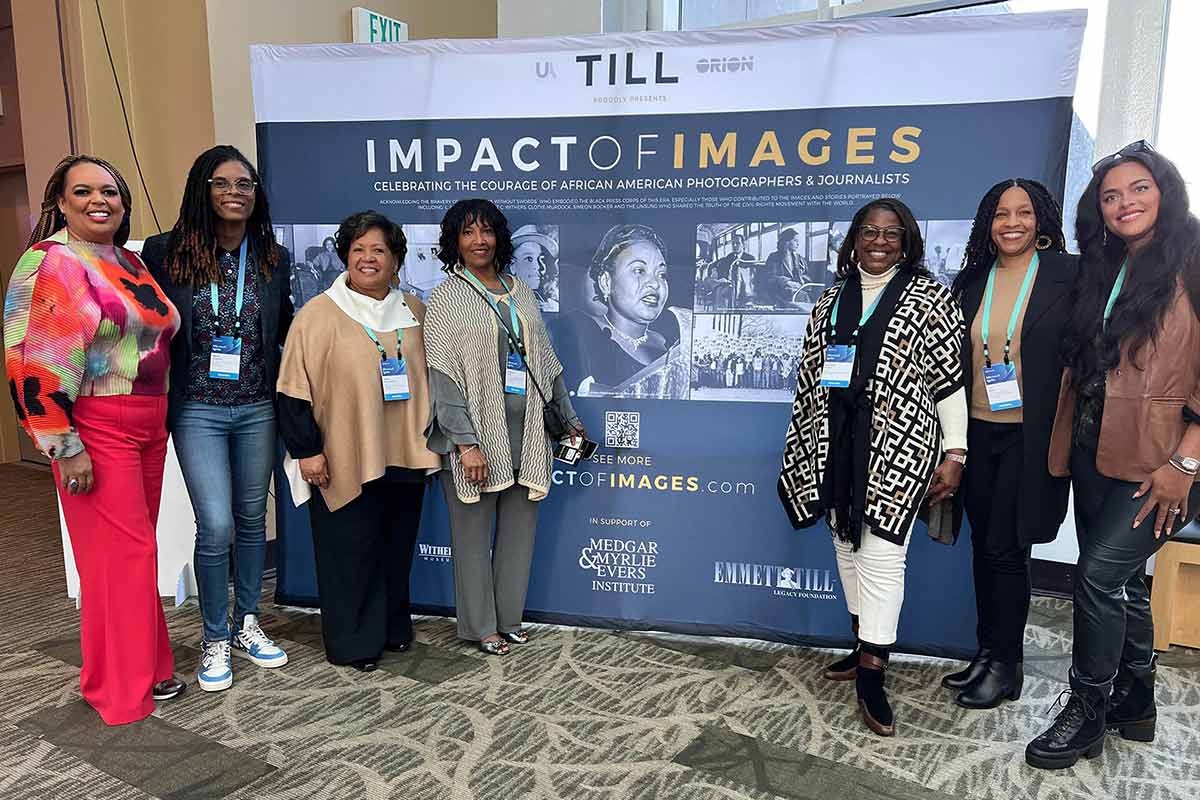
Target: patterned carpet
573,714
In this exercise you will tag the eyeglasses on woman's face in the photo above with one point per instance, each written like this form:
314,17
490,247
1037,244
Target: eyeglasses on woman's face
239,186
869,233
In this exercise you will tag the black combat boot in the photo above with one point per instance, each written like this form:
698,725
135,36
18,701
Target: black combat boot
1078,731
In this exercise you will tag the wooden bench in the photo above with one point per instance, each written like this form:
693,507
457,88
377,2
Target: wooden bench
1175,599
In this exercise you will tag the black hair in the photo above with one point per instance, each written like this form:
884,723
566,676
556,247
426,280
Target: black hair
616,239
51,220
980,253
192,246
358,225
913,246
1172,255
331,240
467,212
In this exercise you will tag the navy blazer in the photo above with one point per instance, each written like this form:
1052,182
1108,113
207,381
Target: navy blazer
275,317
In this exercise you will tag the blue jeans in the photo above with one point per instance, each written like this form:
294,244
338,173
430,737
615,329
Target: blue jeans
226,454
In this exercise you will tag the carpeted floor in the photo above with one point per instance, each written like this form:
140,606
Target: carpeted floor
573,714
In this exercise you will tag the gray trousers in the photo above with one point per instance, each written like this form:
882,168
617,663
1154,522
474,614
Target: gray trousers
490,581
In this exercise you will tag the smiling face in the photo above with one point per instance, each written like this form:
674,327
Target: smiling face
880,240
1014,225
1129,201
527,264
91,203
372,265
230,204
477,244
636,282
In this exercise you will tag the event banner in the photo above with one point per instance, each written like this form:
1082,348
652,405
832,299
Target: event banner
677,202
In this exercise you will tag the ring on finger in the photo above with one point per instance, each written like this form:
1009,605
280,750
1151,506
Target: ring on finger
1174,510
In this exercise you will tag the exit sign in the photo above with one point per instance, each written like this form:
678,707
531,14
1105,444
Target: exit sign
367,26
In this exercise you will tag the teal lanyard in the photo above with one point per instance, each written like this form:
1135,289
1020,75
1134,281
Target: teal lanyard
241,292
1030,271
1116,291
379,344
866,315
512,307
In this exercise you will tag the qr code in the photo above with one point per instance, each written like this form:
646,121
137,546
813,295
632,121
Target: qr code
622,429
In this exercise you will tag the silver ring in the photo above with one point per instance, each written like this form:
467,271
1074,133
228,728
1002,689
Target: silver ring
1173,510
73,483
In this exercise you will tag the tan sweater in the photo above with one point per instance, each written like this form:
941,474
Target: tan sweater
331,362
1008,286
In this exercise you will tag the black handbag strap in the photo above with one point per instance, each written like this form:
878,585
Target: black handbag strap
518,348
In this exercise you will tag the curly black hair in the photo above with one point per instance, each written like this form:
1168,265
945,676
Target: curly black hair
467,212
913,254
981,251
357,225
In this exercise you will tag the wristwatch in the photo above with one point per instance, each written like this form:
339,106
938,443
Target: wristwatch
1186,464
961,458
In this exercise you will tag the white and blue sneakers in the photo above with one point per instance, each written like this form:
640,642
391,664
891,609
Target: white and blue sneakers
250,642
216,671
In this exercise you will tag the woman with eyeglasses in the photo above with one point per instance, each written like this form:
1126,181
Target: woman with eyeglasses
222,268
1013,289
1126,432
878,427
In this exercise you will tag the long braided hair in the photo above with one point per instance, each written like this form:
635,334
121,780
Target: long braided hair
51,220
192,247
981,251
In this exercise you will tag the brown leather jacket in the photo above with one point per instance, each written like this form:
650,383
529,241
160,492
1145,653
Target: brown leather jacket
1143,421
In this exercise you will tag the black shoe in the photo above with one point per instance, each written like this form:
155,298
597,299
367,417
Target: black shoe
165,690
365,665
998,683
1078,731
1132,711
845,668
974,671
398,647
872,699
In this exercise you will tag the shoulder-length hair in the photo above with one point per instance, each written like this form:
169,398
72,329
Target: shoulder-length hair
912,253
464,213
1153,277
981,250
51,220
192,246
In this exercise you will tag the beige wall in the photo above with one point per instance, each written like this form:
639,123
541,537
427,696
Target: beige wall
233,25
517,19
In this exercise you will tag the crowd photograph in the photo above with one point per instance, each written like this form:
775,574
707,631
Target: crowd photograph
746,357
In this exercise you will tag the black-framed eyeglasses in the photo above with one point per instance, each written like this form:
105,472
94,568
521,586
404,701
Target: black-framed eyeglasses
239,186
869,233
1140,146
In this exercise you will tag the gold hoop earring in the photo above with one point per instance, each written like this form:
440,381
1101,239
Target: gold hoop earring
1043,242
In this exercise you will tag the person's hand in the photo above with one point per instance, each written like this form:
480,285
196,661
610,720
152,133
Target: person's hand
315,470
474,464
578,434
75,473
946,479
1168,489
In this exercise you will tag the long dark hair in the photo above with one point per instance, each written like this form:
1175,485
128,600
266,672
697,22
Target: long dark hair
192,246
462,214
981,251
913,252
51,220
1173,254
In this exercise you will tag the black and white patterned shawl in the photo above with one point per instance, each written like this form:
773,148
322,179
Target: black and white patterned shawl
919,364
461,332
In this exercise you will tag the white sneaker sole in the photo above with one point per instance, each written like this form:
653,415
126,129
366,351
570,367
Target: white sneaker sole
268,663
214,686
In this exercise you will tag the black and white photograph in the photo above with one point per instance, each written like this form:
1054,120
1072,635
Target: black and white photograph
315,261
422,271
945,243
535,261
626,321
748,358
762,266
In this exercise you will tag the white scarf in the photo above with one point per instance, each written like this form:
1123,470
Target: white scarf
389,314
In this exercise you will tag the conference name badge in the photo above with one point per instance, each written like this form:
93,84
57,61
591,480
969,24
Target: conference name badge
225,358
395,379
839,366
1002,389
514,375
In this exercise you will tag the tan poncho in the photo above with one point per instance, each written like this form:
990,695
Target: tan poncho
331,362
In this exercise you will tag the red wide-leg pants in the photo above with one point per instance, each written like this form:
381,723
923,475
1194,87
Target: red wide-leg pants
122,632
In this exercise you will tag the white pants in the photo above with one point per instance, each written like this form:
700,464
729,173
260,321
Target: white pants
873,579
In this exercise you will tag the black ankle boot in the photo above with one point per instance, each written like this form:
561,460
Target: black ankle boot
974,671
1131,709
872,699
845,668
998,683
1078,731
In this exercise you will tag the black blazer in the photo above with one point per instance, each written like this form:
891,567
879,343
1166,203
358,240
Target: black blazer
275,316
1043,503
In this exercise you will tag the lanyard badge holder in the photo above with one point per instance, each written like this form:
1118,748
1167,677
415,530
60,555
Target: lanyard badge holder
225,356
515,373
839,358
1000,380
393,372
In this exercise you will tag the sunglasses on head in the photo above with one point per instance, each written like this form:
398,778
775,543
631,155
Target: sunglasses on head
1140,146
